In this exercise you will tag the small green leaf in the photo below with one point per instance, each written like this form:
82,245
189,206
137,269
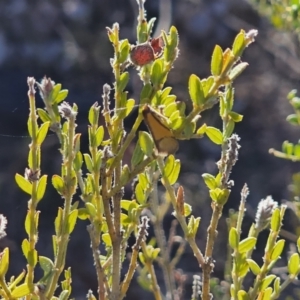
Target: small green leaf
99,136
187,209
235,116
42,132
72,218
175,173
43,115
201,130
214,134
275,220
41,187
137,156
83,214
139,193
243,295
146,143
209,180
4,262
20,291
277,250
237,70
58,184
253,266
91,209
169,165
247,244
62,95
88,162
146,93
25,247
32,257
54,93
78,161
267,293
46,264
217,61
123,81
233,238
196,90
293,264
293,119
239,44
129,106
267,281
106,239
156,72
124,51
23,184
229,129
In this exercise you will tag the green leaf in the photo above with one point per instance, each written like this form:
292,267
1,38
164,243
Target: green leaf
64,295
217,61
239,44
235,116
146,93
58,221
156,72
169,165
124,51
187,209
123,81
277,250
83,214
106,239
146,143
293,119
72,218
54,93
196,90
88,162
46,264
214,134
247,244
23,184
175,173
243,295
233,238
42,132
25,247
32,257
41,187
139,193
267,281
237,70
99,136
229,129
58,184
193,226
267,293
129,106
210,181
293,264
62,95
137,156
275,220
253,266
43,115
21,291
4,262
77,163
91,209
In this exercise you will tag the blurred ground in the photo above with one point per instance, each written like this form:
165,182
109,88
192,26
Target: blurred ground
67,41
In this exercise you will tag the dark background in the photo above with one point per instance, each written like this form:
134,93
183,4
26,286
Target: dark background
66,40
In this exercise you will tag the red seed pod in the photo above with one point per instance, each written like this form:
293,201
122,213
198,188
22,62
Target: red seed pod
157,44
142,54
